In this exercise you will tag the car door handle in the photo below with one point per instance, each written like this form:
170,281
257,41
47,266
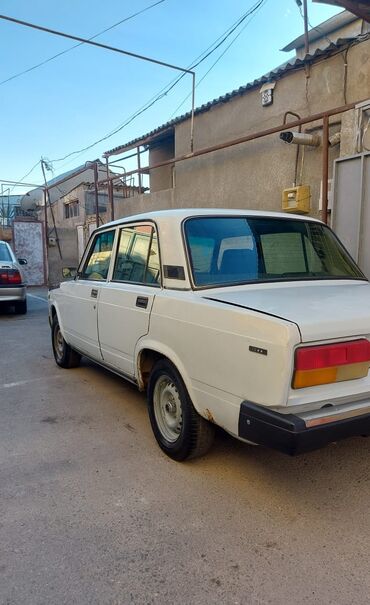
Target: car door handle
94,293
142,302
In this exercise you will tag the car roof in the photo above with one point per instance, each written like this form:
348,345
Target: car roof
179,214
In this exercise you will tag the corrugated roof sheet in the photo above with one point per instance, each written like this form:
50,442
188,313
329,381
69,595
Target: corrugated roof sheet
327,27
290,65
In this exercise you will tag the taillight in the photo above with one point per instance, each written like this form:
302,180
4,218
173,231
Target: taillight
331,363
14,277
10,277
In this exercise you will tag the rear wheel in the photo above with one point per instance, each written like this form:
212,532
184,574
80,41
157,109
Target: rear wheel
179,430
21,307
64,355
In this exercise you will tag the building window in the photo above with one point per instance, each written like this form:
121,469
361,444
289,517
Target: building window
71,209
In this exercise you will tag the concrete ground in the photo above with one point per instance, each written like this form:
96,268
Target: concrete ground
92,512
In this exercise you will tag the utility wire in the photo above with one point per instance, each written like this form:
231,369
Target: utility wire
67,50
26,175
322,33
214,46
221,55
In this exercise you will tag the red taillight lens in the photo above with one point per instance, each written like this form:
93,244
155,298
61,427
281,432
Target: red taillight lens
10,276
327,356
3,276
14,277
331,363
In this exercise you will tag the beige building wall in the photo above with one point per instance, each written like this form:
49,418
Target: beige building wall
253,175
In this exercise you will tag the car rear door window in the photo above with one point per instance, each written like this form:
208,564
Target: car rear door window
137,258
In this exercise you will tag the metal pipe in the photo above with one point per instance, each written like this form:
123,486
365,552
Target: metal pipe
110,192
117,50
92,43
46,271
250,137
305,20
96,194
325,168
17,183
192,114
296,115
139,167
42,162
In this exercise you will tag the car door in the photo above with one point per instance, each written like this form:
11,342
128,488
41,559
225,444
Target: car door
81,296
125,302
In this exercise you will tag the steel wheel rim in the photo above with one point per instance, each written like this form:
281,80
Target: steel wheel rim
58,343
167,408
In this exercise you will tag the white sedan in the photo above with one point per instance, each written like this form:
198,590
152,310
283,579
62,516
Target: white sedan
256,322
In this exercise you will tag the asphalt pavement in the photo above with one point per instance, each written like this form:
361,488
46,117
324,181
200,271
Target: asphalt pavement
92,512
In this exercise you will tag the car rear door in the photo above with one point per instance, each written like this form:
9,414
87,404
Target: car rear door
125,302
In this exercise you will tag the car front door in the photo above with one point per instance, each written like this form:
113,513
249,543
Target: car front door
126,300
81,296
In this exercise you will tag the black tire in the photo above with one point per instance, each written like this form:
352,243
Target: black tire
64,355
20,307
169,404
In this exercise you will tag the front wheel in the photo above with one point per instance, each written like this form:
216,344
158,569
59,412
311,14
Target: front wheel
179,430
64,355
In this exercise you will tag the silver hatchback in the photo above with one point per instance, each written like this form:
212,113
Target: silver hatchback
12,281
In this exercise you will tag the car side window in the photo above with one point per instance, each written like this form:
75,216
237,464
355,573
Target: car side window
97,263
137,256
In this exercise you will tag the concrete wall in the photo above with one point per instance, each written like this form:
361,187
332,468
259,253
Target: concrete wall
29,244
162,178
253,175
68,244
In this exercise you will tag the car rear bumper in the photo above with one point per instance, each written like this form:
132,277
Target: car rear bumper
12,293
291,434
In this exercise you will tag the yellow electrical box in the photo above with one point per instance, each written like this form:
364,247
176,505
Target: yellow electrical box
297,199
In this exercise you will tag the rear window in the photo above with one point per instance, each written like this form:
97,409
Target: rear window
4,252
231,250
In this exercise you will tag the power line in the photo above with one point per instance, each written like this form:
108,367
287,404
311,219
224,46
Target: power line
164,91
63,52
26,175
221,55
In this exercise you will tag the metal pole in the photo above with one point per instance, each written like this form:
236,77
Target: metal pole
51,209
46,239
113,49
305,19
325,168
250,137
139,167
96,193
192,114
110,192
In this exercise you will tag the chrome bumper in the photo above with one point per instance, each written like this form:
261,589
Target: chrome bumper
10,294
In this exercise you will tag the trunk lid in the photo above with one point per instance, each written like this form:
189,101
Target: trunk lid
322,310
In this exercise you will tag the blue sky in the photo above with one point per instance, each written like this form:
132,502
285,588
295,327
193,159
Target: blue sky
83,95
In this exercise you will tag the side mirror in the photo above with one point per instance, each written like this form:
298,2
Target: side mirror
22,261
69,272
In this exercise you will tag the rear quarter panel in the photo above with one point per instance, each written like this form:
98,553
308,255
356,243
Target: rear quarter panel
209,343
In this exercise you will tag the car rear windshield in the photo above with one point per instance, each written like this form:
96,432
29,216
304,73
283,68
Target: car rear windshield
233,250
4,252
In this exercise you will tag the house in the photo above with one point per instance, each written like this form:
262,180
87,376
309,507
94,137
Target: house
10,209
225,170
75,205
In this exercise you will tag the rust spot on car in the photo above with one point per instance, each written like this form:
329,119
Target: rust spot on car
209,415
